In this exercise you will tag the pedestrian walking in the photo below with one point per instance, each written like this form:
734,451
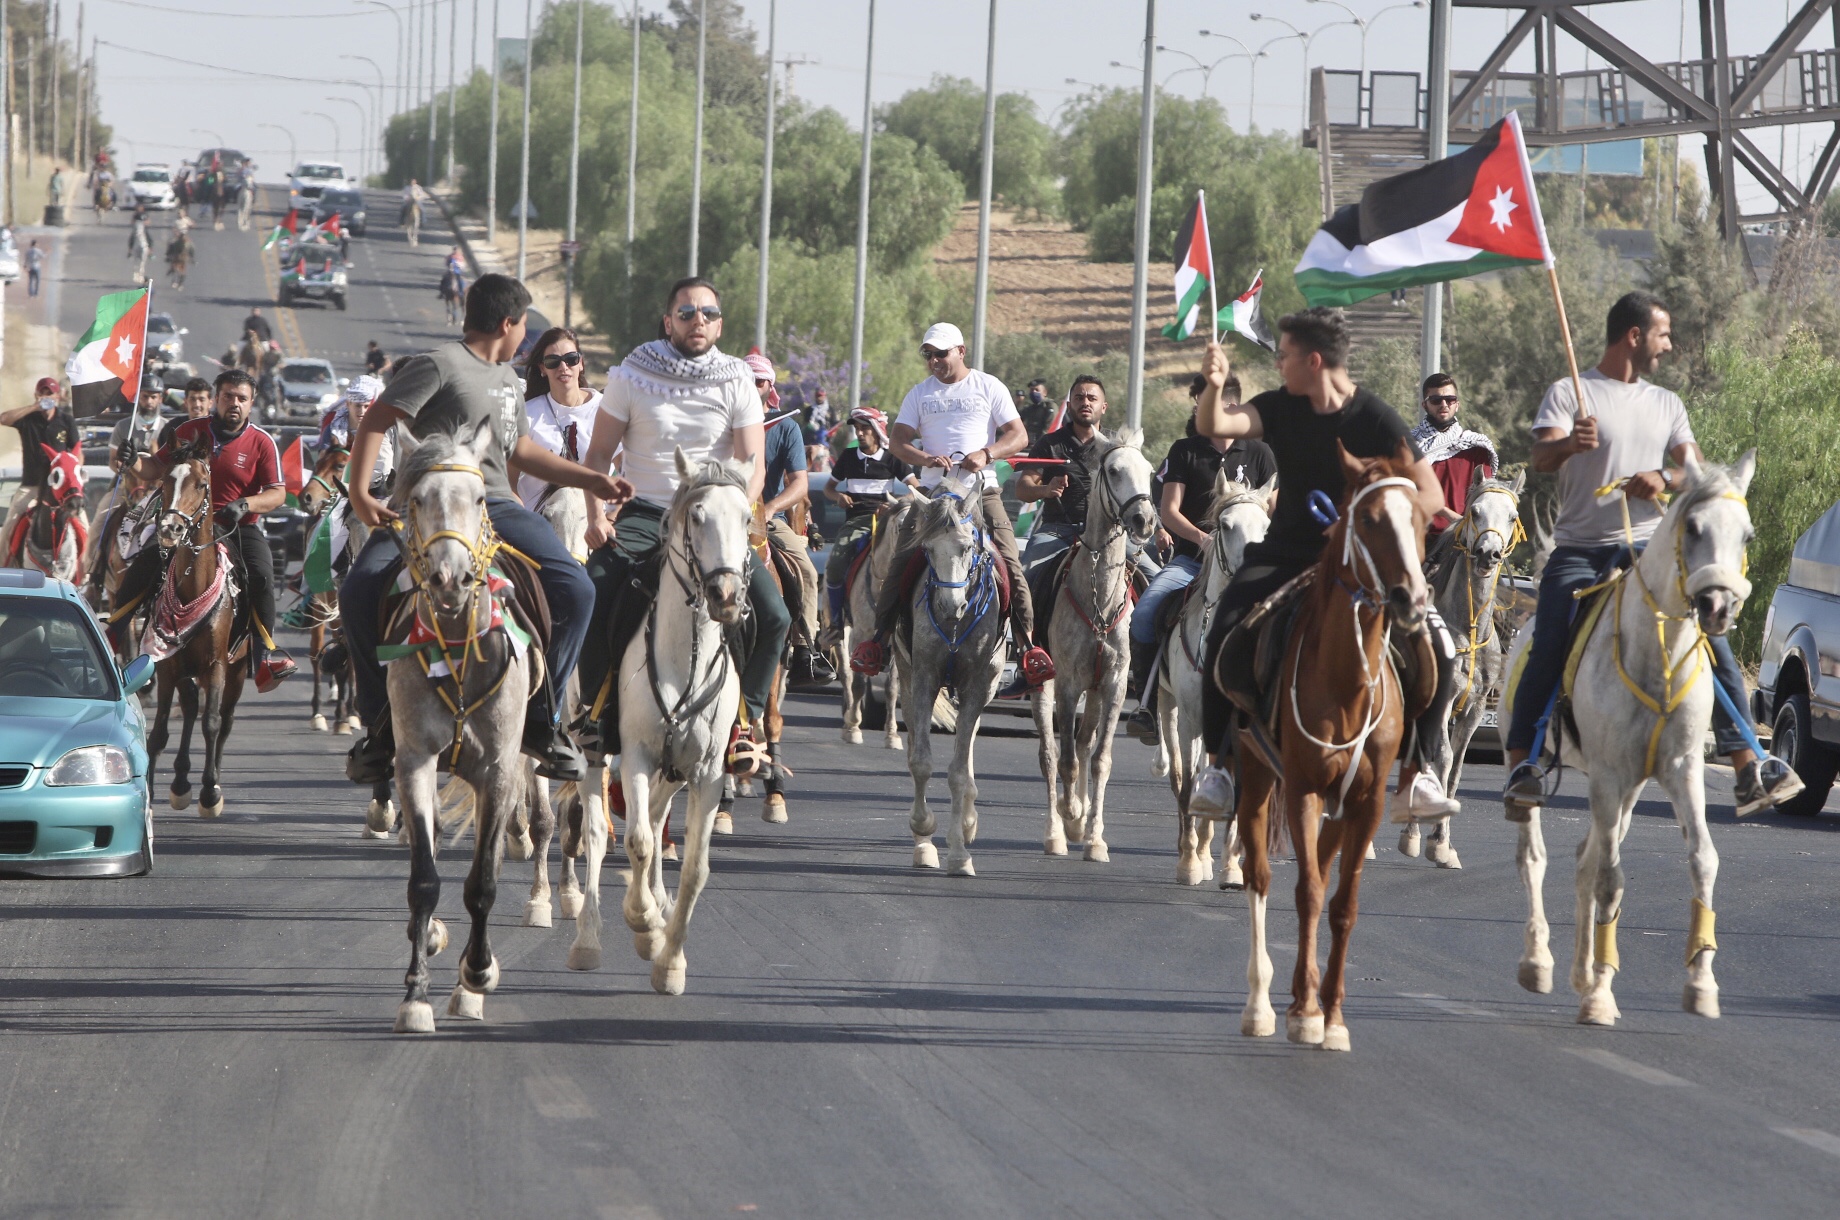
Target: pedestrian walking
35,262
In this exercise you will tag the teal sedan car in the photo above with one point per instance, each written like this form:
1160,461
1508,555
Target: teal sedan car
73,752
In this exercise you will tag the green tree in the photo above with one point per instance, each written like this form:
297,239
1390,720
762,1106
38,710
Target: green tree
948,117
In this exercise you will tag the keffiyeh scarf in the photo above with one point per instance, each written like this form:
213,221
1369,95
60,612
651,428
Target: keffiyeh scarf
661,369
1438,445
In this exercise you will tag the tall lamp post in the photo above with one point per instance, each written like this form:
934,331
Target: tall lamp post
402,72
862,224
766,186
1308,37
632,163
293,148
492,139
453,30
434,119
986,170
1252,74
364,125
1140,270
568,249
336,134
1366,23
523,207
382,98
696,164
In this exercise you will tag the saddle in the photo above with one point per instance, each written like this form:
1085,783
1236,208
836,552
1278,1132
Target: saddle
916,568
519,607
1589,609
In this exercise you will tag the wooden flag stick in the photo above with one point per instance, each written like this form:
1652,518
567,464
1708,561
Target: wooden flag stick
1565,329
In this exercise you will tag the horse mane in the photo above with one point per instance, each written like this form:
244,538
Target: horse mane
1714,481
938,514
434,450
715,472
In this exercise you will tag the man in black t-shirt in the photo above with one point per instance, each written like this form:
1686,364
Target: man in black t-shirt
1062,490
866,480
374,359
45,421
1318,406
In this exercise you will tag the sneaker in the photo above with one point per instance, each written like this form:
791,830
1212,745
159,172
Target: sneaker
1764,782
272,670
869,658
372,758
823,673
1425,801
1213,796
1142,725
1525,792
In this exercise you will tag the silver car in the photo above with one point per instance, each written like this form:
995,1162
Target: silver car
1798,683
309,387
166,339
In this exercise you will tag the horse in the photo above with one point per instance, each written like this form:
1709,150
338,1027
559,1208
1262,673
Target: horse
773,723
1241,516
470,716
1091,648
191,624
953,641
566,510
1463,589
1342,713
53,536
681,690
324,496
859,616
1644,667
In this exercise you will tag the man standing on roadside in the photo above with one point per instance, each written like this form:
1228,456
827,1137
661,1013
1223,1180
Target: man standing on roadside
1037,410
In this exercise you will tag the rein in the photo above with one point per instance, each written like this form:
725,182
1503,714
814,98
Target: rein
1114,531
980,579
682,558
1481,615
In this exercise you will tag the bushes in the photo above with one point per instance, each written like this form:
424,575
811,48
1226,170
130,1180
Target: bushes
948,117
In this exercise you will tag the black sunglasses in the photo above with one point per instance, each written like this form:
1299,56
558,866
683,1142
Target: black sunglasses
1442,400
927,353
557,360
687,313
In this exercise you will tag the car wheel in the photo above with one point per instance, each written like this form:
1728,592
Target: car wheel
340,302
147,842
1815,763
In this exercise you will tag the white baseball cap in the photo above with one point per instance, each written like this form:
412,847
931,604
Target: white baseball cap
943,337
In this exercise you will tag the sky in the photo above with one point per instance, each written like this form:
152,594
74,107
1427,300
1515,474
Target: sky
167,109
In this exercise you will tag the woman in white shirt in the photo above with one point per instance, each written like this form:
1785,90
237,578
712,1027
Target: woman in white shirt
560,407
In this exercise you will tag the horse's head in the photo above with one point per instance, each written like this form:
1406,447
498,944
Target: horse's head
328,480
64,479
441,493
948,529
185,500
1122,481
1381,534
1489,526
1711,526
1241,517
708,532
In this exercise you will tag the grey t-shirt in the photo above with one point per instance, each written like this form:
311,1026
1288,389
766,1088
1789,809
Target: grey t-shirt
1638,425
451,390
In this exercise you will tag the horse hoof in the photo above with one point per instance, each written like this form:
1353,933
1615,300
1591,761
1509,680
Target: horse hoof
437,937
466,1005
774,810
211,811
852,737
1305,1031
724,823
1443,855
581,957
519,847
180,801
1098,852
1536,977
668,979
342,729
1234,879
926,856
415,1017
380,818
319,723
1054,847
1701,1001
537,913
1598,1010
669,852
1260,1022
570,904
1188,872
648,944
1371,853
1075,832
1335,1038
1409,840
895,743
960,868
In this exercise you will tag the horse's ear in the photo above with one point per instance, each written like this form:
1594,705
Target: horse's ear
1130,438
1744,471
683,463
482,441
50,453
1270,491
1477,477
1520,481
1352,467
1691,466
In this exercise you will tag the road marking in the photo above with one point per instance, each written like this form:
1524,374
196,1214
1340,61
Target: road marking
557,1097
1628,1067
1456,1008
1814,1137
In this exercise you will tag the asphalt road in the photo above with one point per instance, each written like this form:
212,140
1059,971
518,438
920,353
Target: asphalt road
1048,1038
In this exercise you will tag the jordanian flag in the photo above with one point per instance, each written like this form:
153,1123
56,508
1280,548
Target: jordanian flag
105,370
1474,212
1194,272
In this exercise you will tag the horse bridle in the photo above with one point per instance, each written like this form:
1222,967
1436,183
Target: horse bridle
695,597
192,521
1353,546
1509,541
1118,508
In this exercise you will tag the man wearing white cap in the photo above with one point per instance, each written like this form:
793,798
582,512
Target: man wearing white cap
960,418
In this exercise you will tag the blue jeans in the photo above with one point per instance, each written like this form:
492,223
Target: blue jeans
1575,567
565,586
1046,544
1176,575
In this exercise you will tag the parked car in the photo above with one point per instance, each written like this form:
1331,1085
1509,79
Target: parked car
9,256
165,339
310,178
1798,685
308,387
73,754
345,203
151,187
313,271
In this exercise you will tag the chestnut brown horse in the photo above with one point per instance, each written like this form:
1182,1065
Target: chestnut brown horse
1341,714
189,631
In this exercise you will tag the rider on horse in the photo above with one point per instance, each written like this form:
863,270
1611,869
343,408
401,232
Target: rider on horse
1318,406
1632,427
675,392
559,405
787,486
453,389
135,435
46,422
964,418
245,483
863,480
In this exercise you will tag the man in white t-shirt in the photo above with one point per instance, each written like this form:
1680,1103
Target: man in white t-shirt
1625,434
962,418
674,392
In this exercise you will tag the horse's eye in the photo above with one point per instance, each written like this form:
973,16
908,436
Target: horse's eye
1693,528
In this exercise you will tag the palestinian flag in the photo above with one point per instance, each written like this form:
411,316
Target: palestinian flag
290,224
1243,318
105,370
1474,212
1194,272
331,227
294,471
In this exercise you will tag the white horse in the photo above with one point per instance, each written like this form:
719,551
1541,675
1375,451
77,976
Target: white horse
953,642
1464,591
1241,516
448,545
859,615
1641,704
1089,637
680,691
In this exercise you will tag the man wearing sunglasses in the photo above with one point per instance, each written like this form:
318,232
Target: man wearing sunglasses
1455,452
962,419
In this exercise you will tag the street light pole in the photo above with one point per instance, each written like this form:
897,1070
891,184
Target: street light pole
293,148
1140,269
986,170
632,165
320,114
523,206
1431,338
568,252
402,97
766,186
381,100
862,224
364,125
434,30
696,165
492,139
453,29
1366,23
1308,38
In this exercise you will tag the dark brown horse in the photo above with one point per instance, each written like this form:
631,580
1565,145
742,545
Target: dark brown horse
1341,715
324,492
189,632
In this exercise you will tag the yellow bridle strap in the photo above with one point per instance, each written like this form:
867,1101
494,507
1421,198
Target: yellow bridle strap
1671,695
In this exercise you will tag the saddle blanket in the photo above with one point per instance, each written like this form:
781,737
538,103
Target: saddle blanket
411,635
173,622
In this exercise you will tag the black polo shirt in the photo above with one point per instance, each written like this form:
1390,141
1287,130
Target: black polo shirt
1193,462
1062,445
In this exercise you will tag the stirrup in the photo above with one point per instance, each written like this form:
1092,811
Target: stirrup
1037,666
746,757
869,658
1524,792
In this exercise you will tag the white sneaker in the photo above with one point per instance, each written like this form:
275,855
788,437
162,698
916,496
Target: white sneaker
1213,796
1424,800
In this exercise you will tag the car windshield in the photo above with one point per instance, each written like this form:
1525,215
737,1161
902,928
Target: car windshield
160,324
48,652
151,175
342,197
307,374
321,171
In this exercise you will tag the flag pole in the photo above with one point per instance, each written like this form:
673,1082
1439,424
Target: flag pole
1213,303
1565,329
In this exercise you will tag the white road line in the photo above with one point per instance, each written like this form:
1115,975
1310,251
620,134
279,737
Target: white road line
557,1097
1628,1067
1814,1137
1456,1008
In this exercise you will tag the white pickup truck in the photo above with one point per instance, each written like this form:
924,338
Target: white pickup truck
312,177
1798,685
